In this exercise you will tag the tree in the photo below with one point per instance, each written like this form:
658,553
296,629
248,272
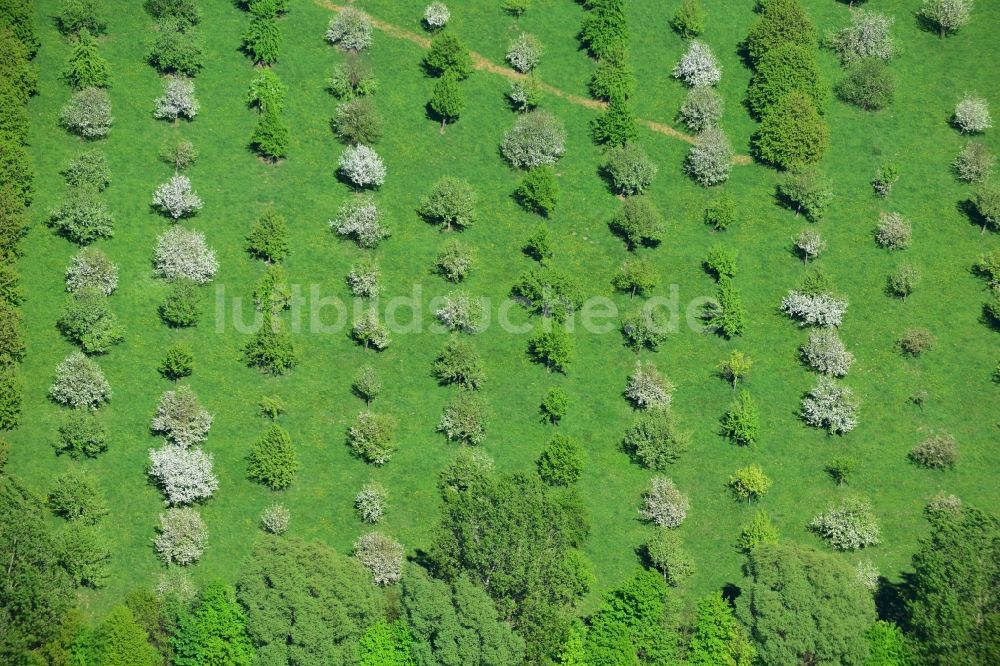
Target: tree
267,92
268,238
726,314
362,167
886,175
629,169
702,108
459,363
86,68
710,159
638,223
436,16
272,460
183,254
647,388
185,475
554,405
808,245
938,451
350,30
698,66
367,385
826,353
368,331
121,641
214,632
305,601
952,613
12,346
986,201
718,638
455,261
80,433
524,53
525,94
807,191
370,502
16,64
178,100
561,461
177,9
548,292
760,530
972,114
819,309
741,424
915,341
801,605
736,367
352,78
452,201
456,623
894,232
364,279
830,405
274,519
181,418
359,220
539,245
177,363
948,16
780,22
87,320
689,21
869,84
88,113
721,262
903,281
867,37
84,554
262,40
82,217
749,483
11,397
886,645
75,496
371,437
613,78
605,29
975,163
645,328
80,382
357,121
663,504
655,440
792,135
631,624
537,139
182,305
181,155
553,348
850,525
176,49
91,269
182,536
385,644
271,136
665,552
636,276
538,190
463,419
381,555
176,197
616,126
785,69
721,213
448,55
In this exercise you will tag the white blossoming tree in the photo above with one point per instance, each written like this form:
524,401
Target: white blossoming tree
183,254
182,536
830,405
80,383
698,66
663,504
181,418
814,309
90,269
358,220
184,474
362,166
381,555
177,101
647,388
177,198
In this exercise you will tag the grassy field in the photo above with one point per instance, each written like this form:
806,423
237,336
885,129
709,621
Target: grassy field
235,185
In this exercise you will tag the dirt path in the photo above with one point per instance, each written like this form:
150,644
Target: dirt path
480,62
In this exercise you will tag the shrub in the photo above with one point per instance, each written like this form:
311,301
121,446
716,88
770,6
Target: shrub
655,440
749,483
792,134
367,385
840,469
554,405
936,452
363,279
368,331
181,155
903,281
698,66
184,475
382,556
809,244
646,328
362,166
371,437
182,536
629,169
721,213
272,460
869,84
636,276
663,504
182,306
726,315
539,245
271,136
972,114
825,353
741,424
759,531
274,519
455,261
819,309
463,419
352,78
176,49
85,67
946,15
370,502
262,40
702,109
452,201
781,71
524,53
88,169
181,419
358,219
80,433
780,23
271,348
459,363
647,388
448,54
916,341
710,159
561,461
183,254
350,30
537,139
885,177
83,216
867,37
268,238
538,190
975,163
689,21
176,198
79,382
87,320
76,496
76,16
638,222
436,15
850,525
831,406
357,121
178,362
894,232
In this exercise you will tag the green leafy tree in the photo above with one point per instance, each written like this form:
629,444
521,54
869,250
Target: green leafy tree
804,606
447,102
666,554
76,496
721,262
176,49
736,367
807,192
539,245
75,16
841,469
11,390
689,21
178,362
271,136
561,462
554,405
214,633
82,216
262,40
727,315
760,530
636,276
538,190
721,213
718,639
452,202
182,305
272,460
780,22
86,68
268,238
18,17
780,71
267,92
655,440
121,641
613,78
552,348
639,223
631,625
886,645
869,84
741,423
271,348
749,483
448,54
87,320
605,28
386,644
459,363
548,292
616,126
80,433
792,134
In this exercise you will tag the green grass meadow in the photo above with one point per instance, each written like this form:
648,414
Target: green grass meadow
235,185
